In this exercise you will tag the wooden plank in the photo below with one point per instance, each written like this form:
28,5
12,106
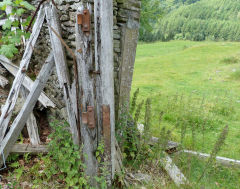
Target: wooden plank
19,122
28,148
85,66
31,123
175,174
221,160
61,66
27,82
14,92
103,19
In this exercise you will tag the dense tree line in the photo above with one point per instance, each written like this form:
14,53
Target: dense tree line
202,20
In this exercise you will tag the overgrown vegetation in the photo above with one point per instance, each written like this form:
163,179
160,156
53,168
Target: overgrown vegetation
194,96
140,154
11,39
62,167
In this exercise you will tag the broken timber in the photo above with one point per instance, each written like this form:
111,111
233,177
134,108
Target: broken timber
28,148
31,123
28,106
27,82
14,92
61,67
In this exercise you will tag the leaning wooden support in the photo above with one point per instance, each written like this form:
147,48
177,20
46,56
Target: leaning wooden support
18,124
221,160
61,66
14,92
28,148
27,82
31,123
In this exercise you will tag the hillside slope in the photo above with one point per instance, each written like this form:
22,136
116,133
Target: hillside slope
205,19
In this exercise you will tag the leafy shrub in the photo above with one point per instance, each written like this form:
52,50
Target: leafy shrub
65,158
11,39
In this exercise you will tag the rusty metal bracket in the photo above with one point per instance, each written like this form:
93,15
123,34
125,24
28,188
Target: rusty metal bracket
106,127
85,21
89,117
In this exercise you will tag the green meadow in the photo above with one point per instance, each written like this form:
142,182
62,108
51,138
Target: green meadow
196,86
195,92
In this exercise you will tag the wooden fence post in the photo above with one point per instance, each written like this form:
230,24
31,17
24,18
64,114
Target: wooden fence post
103,20
87,98
97,84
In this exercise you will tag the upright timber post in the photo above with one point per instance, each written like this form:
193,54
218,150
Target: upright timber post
87,98
103,19
97,84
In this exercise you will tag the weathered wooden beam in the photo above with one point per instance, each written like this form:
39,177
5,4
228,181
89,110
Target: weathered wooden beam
175,174
27,82
85,67
61,67
28,148
103,19
31,123
221,160
14,92
88,96
19,122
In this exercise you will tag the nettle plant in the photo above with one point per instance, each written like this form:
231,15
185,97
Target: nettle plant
13,30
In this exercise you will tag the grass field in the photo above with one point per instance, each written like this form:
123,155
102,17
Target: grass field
196,85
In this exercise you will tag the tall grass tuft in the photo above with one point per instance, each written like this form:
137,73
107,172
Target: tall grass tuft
217,147
133,101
